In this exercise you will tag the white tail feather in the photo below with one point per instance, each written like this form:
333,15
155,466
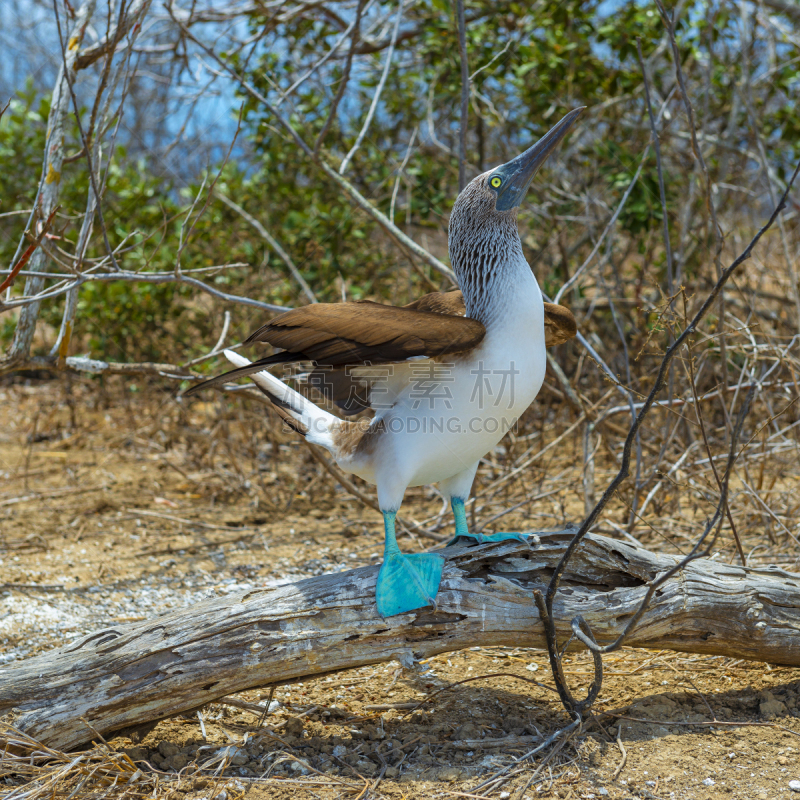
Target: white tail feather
317,420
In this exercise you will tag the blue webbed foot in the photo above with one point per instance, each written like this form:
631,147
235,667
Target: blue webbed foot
405,582
408,582
463,531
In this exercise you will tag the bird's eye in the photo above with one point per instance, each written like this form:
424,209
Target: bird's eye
495,182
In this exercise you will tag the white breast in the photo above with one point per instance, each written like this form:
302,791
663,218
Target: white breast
445,416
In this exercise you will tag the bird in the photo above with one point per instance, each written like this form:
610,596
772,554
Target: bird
447,375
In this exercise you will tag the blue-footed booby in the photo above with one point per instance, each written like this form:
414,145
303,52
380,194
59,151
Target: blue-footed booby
458,369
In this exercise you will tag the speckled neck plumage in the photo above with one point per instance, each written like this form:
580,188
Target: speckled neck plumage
485,251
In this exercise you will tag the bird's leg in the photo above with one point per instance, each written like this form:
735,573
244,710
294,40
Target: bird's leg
460,513
405,582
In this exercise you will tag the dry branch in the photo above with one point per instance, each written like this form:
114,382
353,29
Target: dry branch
134,674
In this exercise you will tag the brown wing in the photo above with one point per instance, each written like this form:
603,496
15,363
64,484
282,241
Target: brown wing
351,392
346,334
340,334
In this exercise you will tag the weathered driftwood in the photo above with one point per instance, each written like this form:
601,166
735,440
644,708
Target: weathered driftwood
132,674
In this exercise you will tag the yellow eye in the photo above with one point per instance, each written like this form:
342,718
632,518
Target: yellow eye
496,181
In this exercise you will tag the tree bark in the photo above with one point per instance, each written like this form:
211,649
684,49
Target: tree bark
134,674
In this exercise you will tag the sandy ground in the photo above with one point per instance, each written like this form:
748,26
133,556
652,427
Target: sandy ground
115,510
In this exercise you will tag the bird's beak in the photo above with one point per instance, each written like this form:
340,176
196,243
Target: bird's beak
518,174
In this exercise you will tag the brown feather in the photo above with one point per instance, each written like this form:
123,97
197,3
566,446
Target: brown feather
339,334
351,392
441,303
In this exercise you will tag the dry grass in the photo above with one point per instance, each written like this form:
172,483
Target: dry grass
47,773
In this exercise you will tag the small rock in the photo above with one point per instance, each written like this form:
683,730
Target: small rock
505,795
783,761
467,731
168,749
794,786
177,761
136,753
391,772
708,782
366,768
449,774
770,707
514,725
294,726
602,791
340,751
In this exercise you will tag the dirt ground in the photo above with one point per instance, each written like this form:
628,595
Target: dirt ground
117,505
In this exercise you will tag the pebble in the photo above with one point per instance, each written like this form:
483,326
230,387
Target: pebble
294,726
167,749
794,786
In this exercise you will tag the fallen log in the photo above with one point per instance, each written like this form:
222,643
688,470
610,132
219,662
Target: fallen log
133,674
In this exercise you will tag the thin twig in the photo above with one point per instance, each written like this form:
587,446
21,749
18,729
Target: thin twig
23,260
272,242
86,147
698,154
465,85
356,28
609,225
378,91
701,422
139,277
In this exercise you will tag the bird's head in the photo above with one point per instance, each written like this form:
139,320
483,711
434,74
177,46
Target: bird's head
495,195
